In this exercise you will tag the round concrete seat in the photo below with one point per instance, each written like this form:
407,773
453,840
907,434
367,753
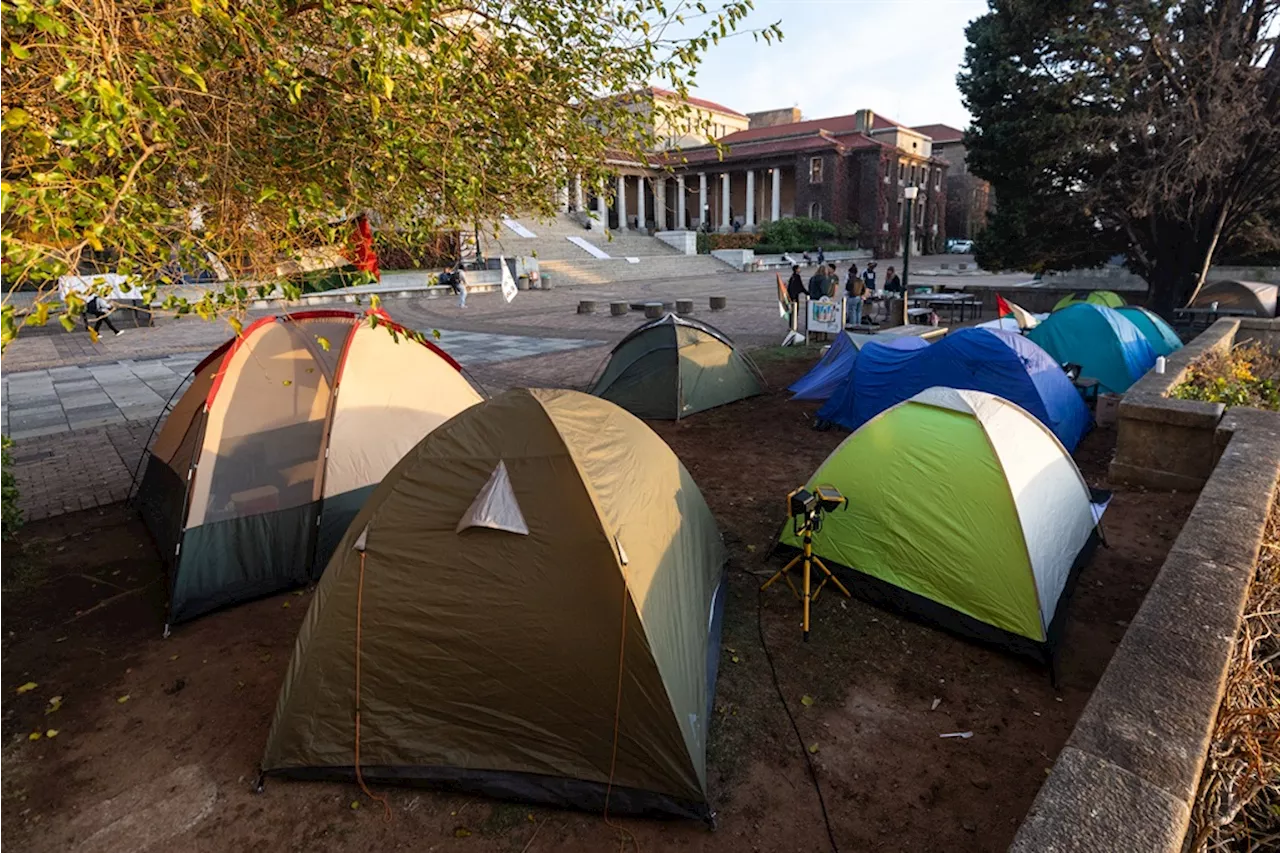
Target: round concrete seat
719,303
653,310
587,306
684,306
618,309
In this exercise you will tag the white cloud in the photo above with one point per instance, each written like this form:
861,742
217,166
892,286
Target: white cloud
896,57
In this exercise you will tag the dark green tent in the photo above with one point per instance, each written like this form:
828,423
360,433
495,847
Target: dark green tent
673,367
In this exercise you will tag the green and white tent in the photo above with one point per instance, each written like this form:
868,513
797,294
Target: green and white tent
965,512
672,367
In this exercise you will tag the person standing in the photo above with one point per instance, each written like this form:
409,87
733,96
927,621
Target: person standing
854,289
833,280
892,283
869,277
822,256
795,284
818,283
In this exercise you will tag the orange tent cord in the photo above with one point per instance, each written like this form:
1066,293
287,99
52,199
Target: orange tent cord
617,713
360,778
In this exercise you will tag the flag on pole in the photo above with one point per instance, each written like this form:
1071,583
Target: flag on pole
1002,308
784,301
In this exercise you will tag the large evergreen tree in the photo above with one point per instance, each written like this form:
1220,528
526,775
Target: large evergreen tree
1148,128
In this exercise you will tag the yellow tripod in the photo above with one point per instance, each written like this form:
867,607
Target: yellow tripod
806,559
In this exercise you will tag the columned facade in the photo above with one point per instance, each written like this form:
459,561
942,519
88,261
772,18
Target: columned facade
621,204
726,222
682,221
750,222
703,208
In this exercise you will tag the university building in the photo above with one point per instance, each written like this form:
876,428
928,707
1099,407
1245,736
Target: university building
848,170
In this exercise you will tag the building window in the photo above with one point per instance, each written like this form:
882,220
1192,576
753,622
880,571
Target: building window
899,219
937,179
885,227
888,171
815,170
902,171
914,173
815,210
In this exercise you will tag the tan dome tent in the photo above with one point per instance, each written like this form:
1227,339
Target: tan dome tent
1256,298
538,582
261,465
672,367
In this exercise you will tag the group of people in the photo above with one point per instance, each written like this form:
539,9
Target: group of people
858,285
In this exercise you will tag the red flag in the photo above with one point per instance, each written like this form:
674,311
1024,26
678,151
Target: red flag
1002,307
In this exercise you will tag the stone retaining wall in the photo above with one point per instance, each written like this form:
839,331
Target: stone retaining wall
1170,444
1128,776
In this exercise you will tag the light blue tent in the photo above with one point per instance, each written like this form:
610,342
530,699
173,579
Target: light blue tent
831,370
1158,333
996,361
1106,345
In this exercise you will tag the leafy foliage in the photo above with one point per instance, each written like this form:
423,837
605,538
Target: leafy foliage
237,138
1247,375
1148,129
798,234
10,513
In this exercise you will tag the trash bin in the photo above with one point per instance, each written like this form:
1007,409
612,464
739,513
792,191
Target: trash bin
545,280
522,283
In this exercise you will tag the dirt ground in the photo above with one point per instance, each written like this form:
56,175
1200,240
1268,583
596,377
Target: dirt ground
157,740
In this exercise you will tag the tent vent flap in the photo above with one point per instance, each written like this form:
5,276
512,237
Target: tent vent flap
496,506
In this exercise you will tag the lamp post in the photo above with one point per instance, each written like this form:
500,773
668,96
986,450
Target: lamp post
909,193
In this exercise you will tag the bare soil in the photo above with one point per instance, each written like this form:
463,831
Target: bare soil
157,740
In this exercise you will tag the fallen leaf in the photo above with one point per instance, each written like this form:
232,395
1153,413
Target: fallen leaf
54,704
61,640
51,733
751,549
806,700
461,832
355,804
173,657
28,687
33,736
813,749
122,699
936,703
286,604
734,658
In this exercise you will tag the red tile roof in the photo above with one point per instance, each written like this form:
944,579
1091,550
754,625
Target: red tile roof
940,132
697,102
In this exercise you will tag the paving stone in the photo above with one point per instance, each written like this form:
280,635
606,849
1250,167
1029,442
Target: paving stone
86,399
69,386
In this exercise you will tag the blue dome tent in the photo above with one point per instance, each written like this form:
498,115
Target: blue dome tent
830,371
1106,345
996,361
1159,334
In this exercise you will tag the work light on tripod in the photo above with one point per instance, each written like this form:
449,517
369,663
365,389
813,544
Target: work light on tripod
807,509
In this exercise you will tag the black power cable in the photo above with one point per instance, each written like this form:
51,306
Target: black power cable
813,773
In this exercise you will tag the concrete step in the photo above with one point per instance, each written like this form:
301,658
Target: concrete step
599,272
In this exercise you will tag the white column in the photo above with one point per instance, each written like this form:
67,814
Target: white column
660,204
622,204
751,200
777,196
578,202
602,210
640,214
680,204
563,199
724,202
702,197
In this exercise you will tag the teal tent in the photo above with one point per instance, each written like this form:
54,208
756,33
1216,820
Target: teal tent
1158,333
1106,345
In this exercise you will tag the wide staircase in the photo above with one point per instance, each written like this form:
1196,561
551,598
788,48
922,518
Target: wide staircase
568,264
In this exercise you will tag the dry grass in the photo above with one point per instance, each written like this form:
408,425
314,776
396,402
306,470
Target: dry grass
1238,805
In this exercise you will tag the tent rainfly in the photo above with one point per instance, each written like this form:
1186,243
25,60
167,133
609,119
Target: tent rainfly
1163,339
830,371
1248,298
992,360
261,464
965,512
534,590
1106,345
672,367
1105,298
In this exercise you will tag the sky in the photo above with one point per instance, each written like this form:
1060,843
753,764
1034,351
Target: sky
898,58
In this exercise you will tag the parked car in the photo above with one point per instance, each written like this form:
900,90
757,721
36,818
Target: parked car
960,247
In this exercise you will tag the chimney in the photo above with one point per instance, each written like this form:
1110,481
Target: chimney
863,120
774,118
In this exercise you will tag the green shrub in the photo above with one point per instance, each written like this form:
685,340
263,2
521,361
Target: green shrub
732,241
704,243
10,513
797,234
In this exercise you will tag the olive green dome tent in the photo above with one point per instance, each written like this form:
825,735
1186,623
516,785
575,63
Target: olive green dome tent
262,463
963,511
536,585
672,367
1105,298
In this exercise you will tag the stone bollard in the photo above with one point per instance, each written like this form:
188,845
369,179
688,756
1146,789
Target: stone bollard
964,266
618,309
587,306
684,306
653,310
719,303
